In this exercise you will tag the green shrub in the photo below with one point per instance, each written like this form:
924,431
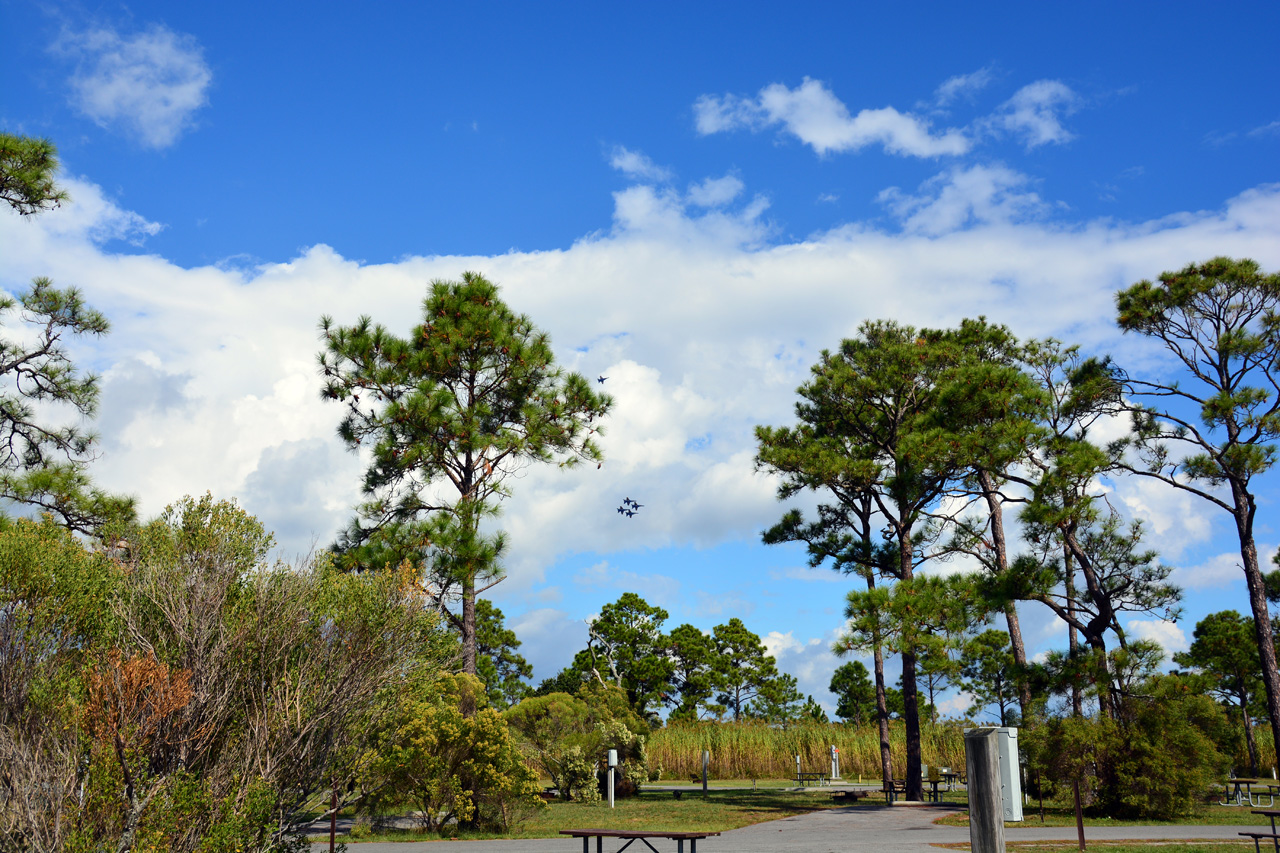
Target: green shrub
454,766
1157,759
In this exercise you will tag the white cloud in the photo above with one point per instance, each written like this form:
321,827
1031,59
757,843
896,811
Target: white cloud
778,644
148,85
804,574
963,86
956,704
1168,635
1173,520
963,196
813,114
704,328
634,164
1217,572
549,638
656,589
715,192
1269,129
1034,114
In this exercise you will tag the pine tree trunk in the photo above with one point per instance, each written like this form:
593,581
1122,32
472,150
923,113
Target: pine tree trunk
1244,510
911,711
469,626
882,701
882,714
1073,638
1000,560
1249,739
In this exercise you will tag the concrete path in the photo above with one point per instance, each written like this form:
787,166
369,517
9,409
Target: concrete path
897,829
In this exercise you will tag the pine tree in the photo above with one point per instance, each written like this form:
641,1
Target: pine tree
448,414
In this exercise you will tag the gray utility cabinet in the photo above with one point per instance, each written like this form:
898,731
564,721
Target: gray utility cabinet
1010,772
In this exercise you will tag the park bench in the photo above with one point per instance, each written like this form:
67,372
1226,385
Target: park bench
633,835
802,778
894,788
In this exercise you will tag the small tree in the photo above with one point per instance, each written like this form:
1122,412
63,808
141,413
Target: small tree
988,666
1221,321
1224,652
499,665
855,694
449,414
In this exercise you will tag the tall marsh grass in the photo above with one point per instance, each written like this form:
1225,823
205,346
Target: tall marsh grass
752,750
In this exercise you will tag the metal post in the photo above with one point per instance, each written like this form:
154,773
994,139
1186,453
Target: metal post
797,770
706,759
333,817
1079,815
613,763
986,810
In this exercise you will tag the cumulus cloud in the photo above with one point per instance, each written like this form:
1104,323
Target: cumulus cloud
1168,635
1034,114
963,196
813,114
148,85
705,329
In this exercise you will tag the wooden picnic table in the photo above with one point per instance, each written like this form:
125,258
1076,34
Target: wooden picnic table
820,778
951,779
634,835
1258,836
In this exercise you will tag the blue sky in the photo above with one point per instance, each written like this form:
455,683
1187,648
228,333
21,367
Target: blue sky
692,201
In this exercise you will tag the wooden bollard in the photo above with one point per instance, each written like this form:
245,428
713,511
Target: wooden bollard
986,811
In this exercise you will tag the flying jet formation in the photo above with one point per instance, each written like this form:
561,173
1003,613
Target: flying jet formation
629,507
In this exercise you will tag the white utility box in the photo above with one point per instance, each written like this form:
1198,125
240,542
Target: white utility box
1010,772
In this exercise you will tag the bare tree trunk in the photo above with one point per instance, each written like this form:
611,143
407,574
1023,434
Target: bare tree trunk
1000,560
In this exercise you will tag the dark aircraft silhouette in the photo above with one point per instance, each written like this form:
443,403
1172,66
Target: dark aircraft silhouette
601,379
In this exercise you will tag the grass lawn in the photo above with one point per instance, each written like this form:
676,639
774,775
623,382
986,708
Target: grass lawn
719,811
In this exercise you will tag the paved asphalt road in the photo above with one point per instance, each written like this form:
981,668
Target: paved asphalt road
897,829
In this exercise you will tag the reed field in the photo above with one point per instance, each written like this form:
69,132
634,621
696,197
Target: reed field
753,750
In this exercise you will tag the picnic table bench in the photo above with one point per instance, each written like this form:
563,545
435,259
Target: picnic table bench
820,778
893,788
634,835
1258,836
